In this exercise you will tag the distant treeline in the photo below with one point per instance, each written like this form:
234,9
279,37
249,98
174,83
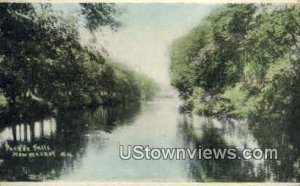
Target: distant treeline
241,61
43,66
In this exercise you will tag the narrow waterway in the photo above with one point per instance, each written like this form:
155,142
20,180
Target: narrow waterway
155,125
84,146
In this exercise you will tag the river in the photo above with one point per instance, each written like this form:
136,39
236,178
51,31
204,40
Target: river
86,146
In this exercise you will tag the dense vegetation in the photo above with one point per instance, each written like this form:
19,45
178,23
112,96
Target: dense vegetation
242,61
44,67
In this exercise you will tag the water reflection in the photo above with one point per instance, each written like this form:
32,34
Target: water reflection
284,136
211,133
27,132
64,135
86,142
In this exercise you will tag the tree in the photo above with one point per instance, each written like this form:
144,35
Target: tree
246,46
43,64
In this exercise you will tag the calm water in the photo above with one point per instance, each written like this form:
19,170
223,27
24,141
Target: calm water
86,146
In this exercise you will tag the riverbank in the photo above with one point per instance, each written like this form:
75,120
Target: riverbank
51,70
224,69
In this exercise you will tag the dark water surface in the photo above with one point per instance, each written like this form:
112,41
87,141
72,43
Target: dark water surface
84,145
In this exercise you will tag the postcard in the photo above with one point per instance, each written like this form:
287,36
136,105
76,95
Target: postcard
149,92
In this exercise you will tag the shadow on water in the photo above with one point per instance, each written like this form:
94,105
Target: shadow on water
210,133
226,169
38,149
42,148
283,136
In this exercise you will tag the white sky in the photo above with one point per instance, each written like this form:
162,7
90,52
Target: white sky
147,32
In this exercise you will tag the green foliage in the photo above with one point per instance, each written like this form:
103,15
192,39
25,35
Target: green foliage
3,103
243,58
43,64
98,15
134,84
